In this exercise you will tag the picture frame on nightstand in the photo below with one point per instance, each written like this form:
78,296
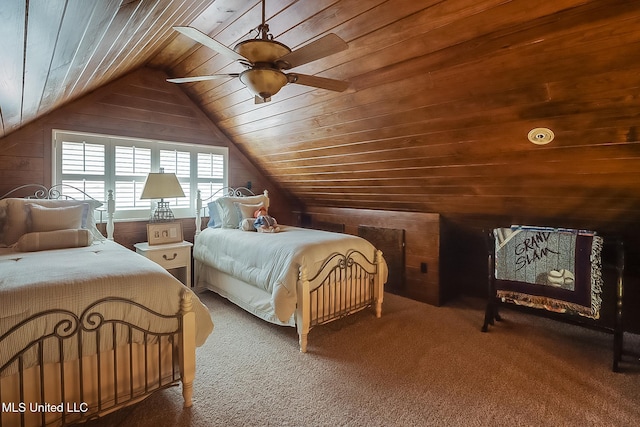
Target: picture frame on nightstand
159,233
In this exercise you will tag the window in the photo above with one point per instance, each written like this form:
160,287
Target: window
98,163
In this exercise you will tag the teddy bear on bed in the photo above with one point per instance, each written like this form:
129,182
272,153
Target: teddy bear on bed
264,222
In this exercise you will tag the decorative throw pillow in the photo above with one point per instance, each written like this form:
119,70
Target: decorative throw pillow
59,218
247,211
59,239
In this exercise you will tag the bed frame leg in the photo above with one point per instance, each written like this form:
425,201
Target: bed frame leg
303,342
303,309
378,284
187,394
187,348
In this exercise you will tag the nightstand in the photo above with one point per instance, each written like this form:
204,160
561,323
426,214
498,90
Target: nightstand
171,256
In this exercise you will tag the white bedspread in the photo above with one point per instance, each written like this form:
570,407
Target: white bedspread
271,261
71,279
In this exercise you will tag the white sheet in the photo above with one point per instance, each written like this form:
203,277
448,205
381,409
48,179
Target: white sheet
271,261
71,279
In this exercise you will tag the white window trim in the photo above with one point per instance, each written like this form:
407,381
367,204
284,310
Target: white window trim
155,145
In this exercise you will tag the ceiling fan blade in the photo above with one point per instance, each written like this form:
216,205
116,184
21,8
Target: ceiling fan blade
212,44
201,78
319,82
324,46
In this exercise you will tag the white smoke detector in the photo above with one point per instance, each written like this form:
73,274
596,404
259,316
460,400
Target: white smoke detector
541,136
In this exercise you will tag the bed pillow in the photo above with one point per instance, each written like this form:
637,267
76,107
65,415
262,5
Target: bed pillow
214,215
60,218
229,213
18,216
58,239
16,222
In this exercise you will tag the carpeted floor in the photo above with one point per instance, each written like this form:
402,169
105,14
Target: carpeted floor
418,365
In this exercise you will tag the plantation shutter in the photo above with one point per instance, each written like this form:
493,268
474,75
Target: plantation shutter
210,174
83,166
178,162
132,165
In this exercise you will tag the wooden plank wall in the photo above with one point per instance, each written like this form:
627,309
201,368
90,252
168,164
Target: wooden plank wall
422,244
140,105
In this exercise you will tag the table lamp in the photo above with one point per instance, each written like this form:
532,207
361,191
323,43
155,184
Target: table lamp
158,186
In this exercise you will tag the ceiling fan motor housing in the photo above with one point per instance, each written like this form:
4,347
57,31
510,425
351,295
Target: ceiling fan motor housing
258,50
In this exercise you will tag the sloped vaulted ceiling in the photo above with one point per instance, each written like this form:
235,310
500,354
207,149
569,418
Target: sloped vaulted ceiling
442,96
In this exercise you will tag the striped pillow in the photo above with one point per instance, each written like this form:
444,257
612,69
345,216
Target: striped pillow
59,239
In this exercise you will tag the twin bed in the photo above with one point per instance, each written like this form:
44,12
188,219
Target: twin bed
296,277
87,326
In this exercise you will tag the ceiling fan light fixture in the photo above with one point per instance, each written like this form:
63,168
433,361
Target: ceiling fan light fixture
263,82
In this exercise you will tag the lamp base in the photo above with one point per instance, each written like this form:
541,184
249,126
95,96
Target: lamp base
162,213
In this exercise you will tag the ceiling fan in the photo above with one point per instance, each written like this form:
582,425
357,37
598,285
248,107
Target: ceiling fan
265,59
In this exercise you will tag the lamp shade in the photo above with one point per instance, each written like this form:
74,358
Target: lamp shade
161,185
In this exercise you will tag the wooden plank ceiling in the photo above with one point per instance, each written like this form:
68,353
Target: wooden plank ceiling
442,95
55,51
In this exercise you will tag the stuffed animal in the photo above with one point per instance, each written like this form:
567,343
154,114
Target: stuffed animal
264,222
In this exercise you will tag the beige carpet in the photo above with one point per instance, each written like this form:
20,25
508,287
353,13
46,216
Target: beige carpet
417,365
